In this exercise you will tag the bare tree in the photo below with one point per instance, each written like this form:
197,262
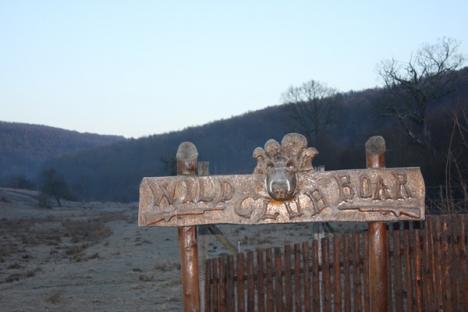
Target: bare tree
454,195
310,108
53,185
415,83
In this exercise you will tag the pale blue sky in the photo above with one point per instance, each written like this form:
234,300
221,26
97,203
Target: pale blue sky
142,67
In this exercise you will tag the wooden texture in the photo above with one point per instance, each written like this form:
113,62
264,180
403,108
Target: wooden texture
332,280
378,266
230,282
260,280
377,261
326,274
188,248
285,188
344,195
297,278
278,281
337,272
208,280
397,272
240,283
315,275
250,282
306,276
357,272
270,300
347,274
288,285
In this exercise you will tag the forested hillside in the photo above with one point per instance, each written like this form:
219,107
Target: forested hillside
24,147
113,172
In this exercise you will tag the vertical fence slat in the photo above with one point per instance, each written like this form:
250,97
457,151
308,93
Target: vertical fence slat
250,282
391,267
260,280
357,273
306,275
347,278
269,281
216,293
366,304
230,285
278,282
411,262
447,262
456,269
287,278
326,274
428,272
222,285
407,266
433,253
438,255
417,266
207,285
240,283
315,276
464,261
337,271
397,271
331,272
297,278
427,294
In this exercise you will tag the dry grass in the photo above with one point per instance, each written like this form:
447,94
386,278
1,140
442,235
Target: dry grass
167,266
55,298
21,275
86,230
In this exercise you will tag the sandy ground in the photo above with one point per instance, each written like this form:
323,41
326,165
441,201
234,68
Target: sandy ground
94,257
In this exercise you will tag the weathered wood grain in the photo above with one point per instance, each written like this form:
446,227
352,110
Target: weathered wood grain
343,195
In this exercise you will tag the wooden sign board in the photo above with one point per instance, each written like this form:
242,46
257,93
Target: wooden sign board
284,188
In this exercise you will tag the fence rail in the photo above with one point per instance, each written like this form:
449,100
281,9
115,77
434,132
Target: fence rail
428,272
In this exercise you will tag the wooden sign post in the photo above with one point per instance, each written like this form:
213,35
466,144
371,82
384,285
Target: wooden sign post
284,188
377,236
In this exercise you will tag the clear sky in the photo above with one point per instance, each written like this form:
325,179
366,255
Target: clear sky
143,67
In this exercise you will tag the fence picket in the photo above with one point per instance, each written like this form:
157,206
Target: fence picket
230,284
357,272
240,283
250,282
260,280
306,275
428,272
269,281
287,278
222,285
315,276
347,277
278,281
297,278
337,271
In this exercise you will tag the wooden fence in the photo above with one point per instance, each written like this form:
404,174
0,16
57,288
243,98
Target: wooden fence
428,272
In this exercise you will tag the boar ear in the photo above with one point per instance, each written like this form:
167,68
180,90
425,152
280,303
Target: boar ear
272,148
306,157
292,144
261,157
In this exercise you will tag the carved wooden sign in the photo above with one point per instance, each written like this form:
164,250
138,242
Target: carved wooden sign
284,188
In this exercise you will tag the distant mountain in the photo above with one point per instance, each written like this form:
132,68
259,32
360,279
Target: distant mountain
113,172
25,147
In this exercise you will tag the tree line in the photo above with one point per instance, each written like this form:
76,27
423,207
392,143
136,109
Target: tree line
421,111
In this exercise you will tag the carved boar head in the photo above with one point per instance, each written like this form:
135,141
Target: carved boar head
281,162
281,180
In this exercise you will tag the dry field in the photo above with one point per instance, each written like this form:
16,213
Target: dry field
93,257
